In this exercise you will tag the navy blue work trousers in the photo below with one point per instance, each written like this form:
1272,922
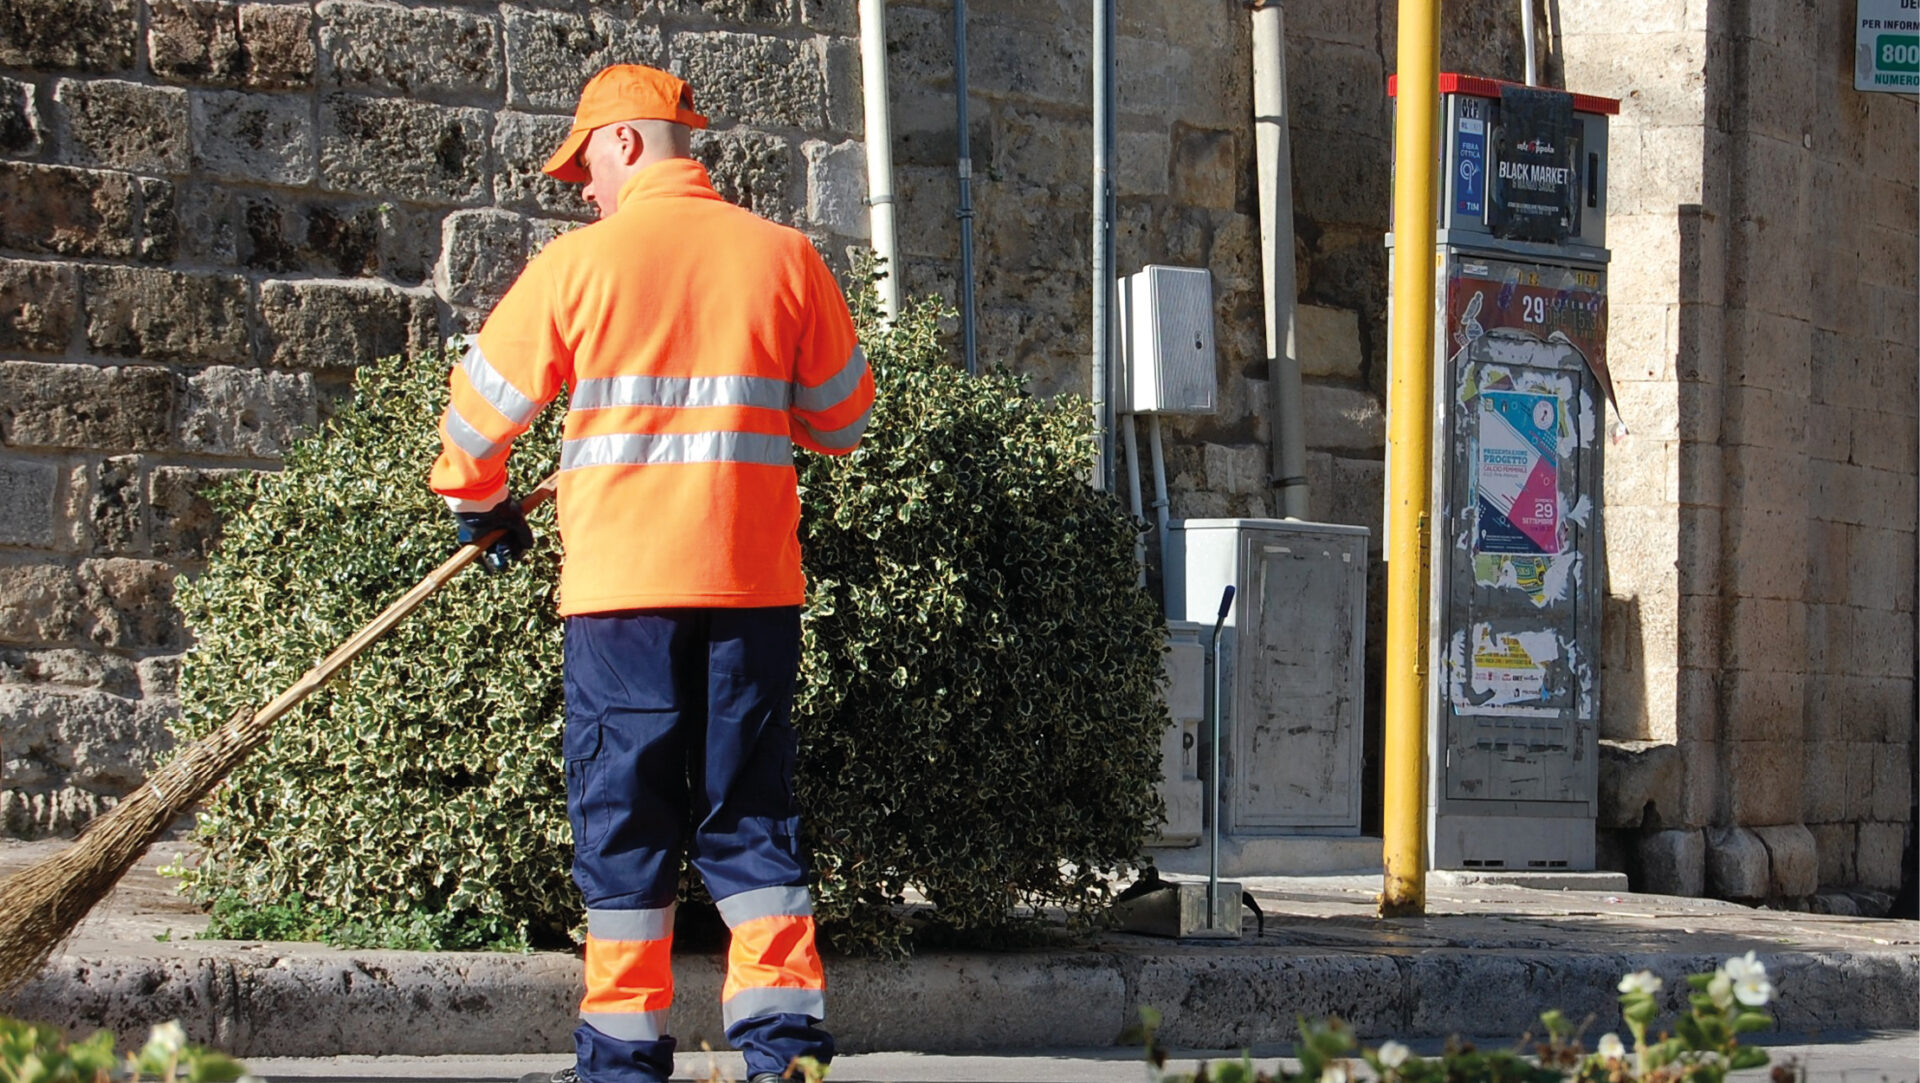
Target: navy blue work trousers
680,734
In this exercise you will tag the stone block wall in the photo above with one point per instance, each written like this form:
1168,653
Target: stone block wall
212,211
1762,516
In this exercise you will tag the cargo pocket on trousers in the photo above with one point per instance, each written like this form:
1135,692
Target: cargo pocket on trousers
587,809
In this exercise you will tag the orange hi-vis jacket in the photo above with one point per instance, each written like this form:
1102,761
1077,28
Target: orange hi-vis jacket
699,342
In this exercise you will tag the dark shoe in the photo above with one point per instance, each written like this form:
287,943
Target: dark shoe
768,1077
564,1075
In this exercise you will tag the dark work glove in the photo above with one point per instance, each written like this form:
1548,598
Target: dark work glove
504,516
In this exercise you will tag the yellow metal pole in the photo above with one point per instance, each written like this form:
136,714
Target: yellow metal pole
1410,458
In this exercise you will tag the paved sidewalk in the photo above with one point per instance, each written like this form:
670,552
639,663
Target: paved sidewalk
1842,1058
1485,960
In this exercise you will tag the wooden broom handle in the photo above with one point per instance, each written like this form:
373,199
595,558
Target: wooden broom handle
393,614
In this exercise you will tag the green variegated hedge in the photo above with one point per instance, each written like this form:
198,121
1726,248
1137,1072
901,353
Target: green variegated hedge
978,715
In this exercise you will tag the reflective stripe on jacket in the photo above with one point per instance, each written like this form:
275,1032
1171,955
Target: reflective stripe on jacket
699,343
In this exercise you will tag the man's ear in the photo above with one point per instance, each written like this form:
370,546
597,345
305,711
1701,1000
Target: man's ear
632,146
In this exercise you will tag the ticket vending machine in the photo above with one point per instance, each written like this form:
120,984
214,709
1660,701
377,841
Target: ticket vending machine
1521,391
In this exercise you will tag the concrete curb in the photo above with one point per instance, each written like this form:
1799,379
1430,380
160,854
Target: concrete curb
256,1000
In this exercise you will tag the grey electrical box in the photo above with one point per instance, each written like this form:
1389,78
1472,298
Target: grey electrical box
1292,663
1166,325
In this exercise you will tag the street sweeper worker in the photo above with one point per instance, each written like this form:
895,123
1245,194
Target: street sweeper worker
697,344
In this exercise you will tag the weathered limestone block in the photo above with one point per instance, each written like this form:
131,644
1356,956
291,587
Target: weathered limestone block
253,137
49,405
1352,171
754,80
91,740
746,12
160,315
1768,788
1877,858
404,149
1343,418
27,489
87,35
1640,784
332,326
1825,789
1207,169
1736,864
1836,843
279,45
420,52
38,303
1674,863
195,41
751,170
830,16
220,43
68,212
1358,496
19,120
846,111
121,125
1327,341
30,815
158,228
522,142
1047,60
552,54
117,602
1893,782
541,231
483,253
109,499
160,677
1793,858
83,669
836,188
184,524
246,413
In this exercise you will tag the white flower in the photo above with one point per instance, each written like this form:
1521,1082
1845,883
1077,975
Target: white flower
1749,977
1334,1073
167,1039
1611,1047
1640,981
1393,1054
1721,989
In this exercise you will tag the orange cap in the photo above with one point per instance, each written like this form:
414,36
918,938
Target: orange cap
617,93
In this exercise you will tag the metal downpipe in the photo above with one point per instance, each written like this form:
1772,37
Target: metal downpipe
1410,459
1273,151
1103,283
963,170
879,136
1526,32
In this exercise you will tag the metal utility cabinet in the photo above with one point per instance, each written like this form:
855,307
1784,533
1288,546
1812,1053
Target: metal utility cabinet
1521,386
1292,661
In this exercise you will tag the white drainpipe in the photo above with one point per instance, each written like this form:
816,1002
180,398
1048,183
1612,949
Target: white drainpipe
1273,153
879,133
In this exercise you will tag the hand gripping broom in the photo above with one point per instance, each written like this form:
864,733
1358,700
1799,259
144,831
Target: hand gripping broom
40,906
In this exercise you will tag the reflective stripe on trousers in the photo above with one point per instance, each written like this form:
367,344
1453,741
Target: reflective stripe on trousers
629,972
773,963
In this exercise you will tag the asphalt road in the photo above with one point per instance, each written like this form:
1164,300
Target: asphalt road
1881,1057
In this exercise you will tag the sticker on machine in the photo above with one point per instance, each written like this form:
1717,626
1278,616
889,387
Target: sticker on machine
1516,474
1506,673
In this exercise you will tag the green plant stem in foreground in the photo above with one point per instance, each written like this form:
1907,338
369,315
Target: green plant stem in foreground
1703,1048
33,1053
